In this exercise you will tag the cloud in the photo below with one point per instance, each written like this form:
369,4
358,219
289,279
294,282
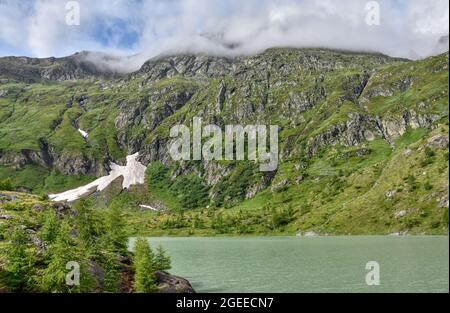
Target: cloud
408,28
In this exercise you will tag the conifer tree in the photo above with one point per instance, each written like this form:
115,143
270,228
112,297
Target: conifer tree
50,228
110,263
162,260
115,228
88,225
19,262
144,278
113,245
63,251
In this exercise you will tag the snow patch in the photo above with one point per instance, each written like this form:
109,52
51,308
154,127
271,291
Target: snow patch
133,174
83,133
148,207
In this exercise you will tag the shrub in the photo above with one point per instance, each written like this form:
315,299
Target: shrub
44,197
6,184
282,217
190,191
429,153
158,175
428,186
412,183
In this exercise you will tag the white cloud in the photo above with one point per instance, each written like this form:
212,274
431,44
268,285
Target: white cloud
407,28
429,17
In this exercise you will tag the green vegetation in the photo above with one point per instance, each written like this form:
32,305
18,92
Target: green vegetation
363,145
39,180
144,279
187,191
41,242
19,264
6,184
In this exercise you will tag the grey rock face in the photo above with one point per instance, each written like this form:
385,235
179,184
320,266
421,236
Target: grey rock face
438,141
357,129
172,284
188,66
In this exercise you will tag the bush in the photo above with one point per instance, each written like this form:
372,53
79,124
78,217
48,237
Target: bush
233,188
429,152
429,157
412,183
158,175
190,191
6,184
44,197
282,217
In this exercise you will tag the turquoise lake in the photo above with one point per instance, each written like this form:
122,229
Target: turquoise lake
317,264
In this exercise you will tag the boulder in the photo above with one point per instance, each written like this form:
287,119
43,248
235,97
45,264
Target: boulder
168,283
390,193
279,185
400,214
438,141
38,207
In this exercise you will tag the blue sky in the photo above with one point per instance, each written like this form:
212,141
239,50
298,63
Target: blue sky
149,27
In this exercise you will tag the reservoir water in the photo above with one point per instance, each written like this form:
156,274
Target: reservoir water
318,264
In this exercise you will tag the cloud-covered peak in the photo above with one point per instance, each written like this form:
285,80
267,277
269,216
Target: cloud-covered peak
147,28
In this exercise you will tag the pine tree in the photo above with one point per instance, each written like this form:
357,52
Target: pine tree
113,246
19,262
63,251
115,228
110,263
144,278
50,228
162,260
88,224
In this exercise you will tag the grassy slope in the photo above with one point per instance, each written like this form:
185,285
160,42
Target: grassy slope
341,196
341,193
345,193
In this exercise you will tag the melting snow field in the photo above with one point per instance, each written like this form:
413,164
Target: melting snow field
148,207
83,133
133,174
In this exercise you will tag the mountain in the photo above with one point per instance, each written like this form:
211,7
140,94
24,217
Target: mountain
363,139
83,65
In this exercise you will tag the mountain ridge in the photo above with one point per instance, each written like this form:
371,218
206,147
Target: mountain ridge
91,64
343,118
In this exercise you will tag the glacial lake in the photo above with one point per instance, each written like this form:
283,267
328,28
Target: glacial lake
317,264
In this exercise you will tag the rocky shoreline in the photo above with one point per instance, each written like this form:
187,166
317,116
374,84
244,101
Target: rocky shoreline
168,283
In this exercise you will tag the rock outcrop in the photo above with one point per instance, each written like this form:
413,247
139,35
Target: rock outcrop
168,283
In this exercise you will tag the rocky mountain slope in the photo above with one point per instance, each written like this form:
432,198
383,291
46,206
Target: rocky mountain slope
363,137
83,65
